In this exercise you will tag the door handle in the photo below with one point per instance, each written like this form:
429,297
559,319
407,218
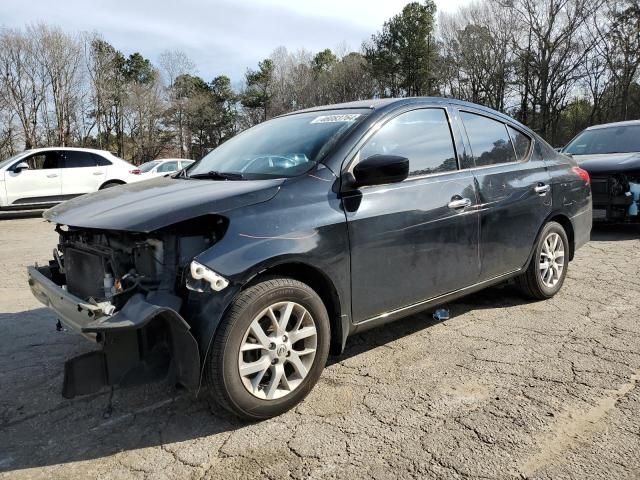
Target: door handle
459,203
52,175
542,189
97,173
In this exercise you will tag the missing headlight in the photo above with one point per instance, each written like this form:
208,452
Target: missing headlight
201,278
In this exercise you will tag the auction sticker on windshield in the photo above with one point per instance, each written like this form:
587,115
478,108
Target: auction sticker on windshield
346,117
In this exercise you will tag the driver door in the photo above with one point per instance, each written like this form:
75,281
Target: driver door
41,183
417,239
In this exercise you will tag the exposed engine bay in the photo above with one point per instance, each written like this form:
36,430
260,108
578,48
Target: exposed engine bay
128,292
616,196
106,266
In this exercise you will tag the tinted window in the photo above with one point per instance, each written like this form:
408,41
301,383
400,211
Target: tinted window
100,160
78,159
43,161
422,136
624,139
521,142
167,167
489,140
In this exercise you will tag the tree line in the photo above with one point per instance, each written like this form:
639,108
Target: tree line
555,65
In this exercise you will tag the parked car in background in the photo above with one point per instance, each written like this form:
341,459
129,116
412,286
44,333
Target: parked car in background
158,168
611,155
323,223
46,176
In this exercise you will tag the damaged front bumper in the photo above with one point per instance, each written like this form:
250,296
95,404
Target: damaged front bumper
141,342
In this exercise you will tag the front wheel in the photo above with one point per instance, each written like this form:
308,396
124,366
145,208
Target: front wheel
548,268
270,349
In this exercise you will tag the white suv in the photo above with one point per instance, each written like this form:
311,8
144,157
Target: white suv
46,176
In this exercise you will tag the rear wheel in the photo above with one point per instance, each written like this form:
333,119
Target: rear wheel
270,349
548,268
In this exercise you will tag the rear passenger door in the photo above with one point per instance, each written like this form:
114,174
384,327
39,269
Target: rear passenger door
82,172
417,239
514,191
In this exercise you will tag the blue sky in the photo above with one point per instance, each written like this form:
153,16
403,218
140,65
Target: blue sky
221,36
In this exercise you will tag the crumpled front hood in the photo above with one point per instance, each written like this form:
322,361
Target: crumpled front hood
153,204
609,163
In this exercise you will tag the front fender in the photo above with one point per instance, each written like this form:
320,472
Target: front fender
303,224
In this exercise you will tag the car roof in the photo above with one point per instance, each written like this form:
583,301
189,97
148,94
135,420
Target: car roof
74,149
626,123
390,103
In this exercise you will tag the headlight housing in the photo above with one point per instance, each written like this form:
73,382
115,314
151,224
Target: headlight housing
202,278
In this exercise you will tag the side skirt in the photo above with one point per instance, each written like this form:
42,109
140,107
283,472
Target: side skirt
432,302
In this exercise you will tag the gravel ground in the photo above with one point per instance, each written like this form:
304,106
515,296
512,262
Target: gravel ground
504,389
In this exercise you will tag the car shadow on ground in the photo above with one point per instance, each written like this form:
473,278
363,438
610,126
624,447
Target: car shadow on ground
40,428
615,232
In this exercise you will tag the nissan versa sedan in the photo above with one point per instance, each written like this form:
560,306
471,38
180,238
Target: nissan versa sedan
611,155
247,269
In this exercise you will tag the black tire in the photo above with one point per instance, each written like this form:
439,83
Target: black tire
111,184
222,371
530,283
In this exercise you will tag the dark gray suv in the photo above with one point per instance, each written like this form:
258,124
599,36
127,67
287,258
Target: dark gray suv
246,269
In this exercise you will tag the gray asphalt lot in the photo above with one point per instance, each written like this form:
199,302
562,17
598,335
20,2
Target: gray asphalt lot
505,388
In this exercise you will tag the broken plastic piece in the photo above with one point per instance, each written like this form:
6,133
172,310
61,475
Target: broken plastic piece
441,314
199,271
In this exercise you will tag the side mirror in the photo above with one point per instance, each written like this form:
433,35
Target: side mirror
558,149
381,169
21,166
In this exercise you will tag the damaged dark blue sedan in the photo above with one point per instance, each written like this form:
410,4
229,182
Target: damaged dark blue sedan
248,268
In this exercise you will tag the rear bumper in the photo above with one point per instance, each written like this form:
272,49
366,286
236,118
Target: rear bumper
582,224
133,340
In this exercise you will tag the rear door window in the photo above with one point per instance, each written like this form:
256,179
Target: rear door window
489,139
101,161
423,136
74,159
521,143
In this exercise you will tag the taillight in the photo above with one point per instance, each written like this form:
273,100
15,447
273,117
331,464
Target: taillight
137,171
583,174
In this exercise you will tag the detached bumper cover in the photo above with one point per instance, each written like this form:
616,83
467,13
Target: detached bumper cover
122,334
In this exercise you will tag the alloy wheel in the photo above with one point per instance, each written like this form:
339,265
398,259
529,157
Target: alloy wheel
277,350
552,260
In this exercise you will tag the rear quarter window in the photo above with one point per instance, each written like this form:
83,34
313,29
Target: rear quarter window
489,139
521,143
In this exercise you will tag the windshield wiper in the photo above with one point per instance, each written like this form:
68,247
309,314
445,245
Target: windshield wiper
217,175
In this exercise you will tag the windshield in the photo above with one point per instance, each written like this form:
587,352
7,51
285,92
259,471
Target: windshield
280,148
623,139
9,160
147,167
